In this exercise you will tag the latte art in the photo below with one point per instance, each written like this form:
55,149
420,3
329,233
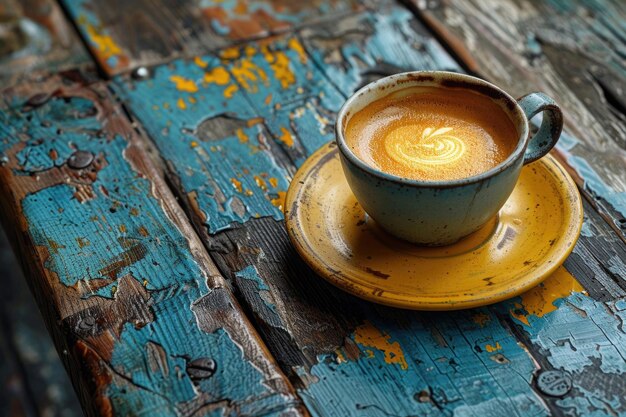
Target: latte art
434,147
431,134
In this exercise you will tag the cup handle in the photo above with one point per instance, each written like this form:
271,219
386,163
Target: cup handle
551,125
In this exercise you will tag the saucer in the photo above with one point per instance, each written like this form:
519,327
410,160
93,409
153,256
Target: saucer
529,239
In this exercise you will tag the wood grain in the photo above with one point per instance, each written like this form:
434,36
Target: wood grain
226,124
125,35
143,319
572,50
35,37
31,358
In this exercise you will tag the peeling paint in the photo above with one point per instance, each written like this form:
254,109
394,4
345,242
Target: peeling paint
369,336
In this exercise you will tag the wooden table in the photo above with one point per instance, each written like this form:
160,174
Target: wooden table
143,172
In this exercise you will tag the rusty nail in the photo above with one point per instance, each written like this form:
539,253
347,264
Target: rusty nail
554,383
201,368
80,160
141,73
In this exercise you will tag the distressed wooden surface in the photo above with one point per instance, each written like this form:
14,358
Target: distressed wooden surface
233,126
144,321
34,382
34,36
126,34
572,50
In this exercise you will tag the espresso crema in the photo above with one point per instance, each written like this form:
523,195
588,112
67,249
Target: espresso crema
432,134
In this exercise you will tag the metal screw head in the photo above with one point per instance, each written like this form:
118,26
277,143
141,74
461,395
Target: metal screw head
140,73
554,383
201,368
80,160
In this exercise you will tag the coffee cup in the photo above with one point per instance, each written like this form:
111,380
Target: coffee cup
447,201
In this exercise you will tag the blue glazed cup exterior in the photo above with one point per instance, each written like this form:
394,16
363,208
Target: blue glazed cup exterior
442,212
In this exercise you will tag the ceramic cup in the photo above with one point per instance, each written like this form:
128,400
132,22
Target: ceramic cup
442,212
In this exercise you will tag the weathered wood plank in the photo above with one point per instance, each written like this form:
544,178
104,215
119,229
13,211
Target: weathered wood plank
35,37
125,35
349,357
145,322
573,50
24,338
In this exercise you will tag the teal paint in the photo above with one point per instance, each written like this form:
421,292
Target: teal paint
122,230
448,370
302,100
89,24
251,274
583,336
164,391
372,39
592,180
446,353
220,168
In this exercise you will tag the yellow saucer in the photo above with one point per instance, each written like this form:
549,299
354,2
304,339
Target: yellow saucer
534,232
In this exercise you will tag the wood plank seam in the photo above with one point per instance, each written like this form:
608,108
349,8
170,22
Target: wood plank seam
141,165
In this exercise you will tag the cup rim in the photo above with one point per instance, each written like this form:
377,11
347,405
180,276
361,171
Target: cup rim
414,78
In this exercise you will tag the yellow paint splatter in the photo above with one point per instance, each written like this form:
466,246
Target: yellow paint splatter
199,62
145,282
230,90
249,50
230,53
243,138
240,8
248,193
106,46
143,231
248,74
274,182
194,144
192,99
340,357
279,201
286,137
217,75
134,211
280,65
184,84
268,100
539,301
295,44
122,228
369,336
237,184
481,319
254,121
181,104
490,348
260,182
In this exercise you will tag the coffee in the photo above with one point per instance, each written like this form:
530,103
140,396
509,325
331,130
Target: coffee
432,133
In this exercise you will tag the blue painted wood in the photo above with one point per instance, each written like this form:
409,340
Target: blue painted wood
125,35
570,50
347,356
138,301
